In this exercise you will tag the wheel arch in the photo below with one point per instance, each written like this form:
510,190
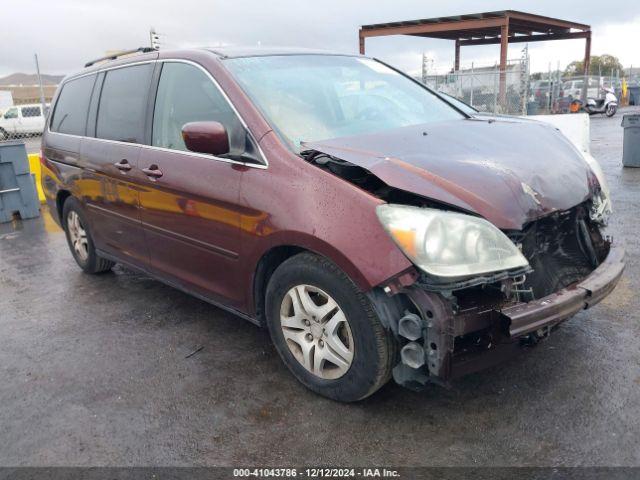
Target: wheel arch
268,264
272,258
61,197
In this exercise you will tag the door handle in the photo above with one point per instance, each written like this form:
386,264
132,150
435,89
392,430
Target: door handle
153,171
123,165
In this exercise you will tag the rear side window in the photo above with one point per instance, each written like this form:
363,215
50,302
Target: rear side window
31,112
123,103
70,113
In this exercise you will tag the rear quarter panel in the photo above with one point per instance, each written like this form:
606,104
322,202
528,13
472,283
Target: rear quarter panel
61,168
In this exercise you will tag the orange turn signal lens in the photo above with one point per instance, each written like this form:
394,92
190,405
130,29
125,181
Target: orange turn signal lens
406,240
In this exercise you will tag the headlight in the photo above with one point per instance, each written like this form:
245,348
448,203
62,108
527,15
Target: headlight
449,244
602,207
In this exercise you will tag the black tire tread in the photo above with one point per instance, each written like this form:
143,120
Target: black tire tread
103,265
385,343
95,264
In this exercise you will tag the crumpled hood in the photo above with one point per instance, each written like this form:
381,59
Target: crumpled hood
509,172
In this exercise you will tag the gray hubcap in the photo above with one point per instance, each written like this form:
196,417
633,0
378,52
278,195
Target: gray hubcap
78,236
317,332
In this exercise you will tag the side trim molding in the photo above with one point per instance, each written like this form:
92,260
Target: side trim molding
180,287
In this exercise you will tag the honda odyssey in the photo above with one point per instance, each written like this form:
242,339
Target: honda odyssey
372,226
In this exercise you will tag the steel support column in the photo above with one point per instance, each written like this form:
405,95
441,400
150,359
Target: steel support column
587,63
504,46
456,64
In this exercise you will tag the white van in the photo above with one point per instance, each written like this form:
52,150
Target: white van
22,120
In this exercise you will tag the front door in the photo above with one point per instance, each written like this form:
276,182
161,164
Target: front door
189,202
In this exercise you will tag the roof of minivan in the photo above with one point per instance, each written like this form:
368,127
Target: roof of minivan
237,52
220,52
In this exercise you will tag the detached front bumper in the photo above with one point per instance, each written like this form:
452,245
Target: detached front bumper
529,317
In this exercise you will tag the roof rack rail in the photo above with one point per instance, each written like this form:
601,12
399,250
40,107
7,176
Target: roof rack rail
120,54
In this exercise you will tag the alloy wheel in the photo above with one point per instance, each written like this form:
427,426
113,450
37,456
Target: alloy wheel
317,332
78,236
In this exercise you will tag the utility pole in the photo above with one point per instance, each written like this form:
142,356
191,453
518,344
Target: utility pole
427,64
424,68
471,98
524,79
42,102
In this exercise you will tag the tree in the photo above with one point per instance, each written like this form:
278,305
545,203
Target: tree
600,65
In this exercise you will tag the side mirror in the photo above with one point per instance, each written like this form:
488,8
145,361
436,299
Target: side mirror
206,137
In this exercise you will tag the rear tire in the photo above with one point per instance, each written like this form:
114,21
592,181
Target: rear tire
359,330
79,239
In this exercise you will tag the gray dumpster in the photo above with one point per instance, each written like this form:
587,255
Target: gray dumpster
17,188
631,145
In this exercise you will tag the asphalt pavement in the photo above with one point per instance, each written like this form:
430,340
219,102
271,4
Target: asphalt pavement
96,370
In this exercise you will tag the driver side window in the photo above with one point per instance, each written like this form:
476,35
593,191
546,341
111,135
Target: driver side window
11,113
186,94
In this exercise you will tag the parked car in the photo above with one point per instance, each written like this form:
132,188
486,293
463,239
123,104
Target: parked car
573,88
540,92
373,228
542,89
22,120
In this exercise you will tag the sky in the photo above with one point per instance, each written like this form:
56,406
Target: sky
67,33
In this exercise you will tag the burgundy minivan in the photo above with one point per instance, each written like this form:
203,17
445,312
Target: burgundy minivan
376,229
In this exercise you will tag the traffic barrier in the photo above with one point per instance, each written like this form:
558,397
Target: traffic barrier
17,187
36,170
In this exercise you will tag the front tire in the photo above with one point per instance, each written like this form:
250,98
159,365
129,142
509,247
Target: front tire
611,110
326,330
79,239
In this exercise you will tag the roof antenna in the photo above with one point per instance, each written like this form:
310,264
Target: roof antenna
154,39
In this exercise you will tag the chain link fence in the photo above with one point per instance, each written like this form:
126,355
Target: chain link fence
24,106
488,89
515,92
553,93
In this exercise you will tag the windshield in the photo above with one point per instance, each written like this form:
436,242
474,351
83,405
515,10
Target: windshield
459,104
316,97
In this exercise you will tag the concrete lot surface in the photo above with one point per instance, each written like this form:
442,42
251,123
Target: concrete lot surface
93,372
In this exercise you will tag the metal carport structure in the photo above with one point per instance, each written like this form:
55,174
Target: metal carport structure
501,27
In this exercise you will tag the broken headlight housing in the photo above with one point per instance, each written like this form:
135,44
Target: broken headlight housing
601,207
448,244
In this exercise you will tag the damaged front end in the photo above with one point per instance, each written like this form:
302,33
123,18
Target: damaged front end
445,332
468,329
538,245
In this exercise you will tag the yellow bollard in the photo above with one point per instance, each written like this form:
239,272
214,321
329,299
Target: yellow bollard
34,167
